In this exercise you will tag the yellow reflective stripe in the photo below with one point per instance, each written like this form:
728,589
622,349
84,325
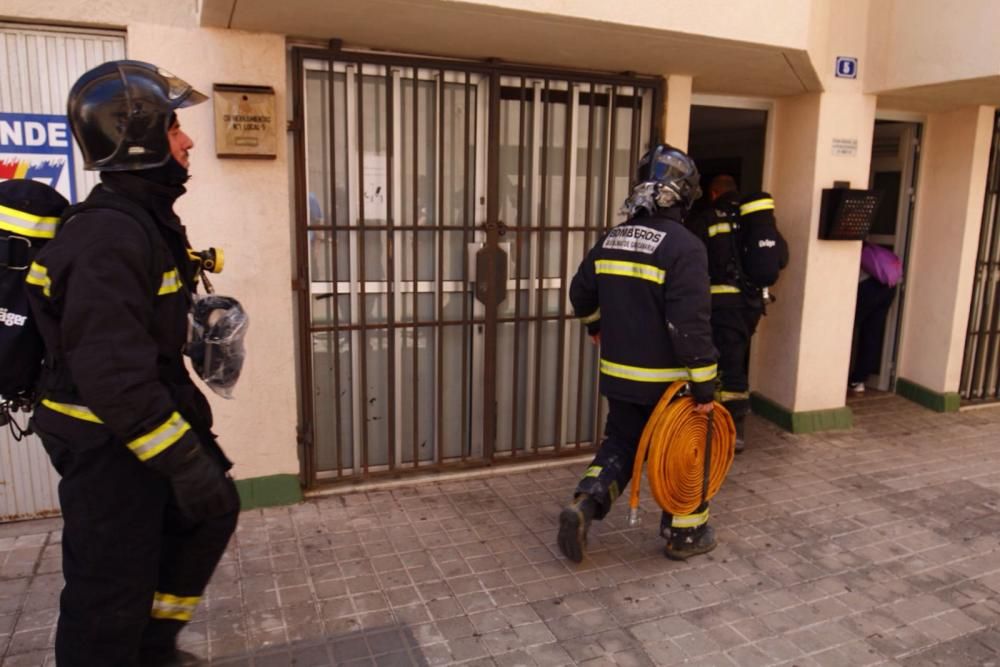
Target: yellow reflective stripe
690,520
725,289
593,317
734,396
614,267
70,410
757,205
19,222
173,607
703,373
39,275
164,435
720,228
639,374
593,471
171,283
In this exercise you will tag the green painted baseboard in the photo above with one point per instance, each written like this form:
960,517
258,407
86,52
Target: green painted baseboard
269,491
808,421
948,401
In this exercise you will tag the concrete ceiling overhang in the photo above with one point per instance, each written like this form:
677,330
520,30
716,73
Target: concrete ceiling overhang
478,32
944,96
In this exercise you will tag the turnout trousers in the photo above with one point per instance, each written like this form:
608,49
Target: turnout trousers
611,470
134,566
732,329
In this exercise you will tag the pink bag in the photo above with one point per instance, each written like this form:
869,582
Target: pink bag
881,264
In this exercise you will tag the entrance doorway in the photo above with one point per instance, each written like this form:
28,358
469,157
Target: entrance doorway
729,140
442,209
895,147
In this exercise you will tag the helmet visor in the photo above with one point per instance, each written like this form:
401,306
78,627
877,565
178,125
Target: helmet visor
180,93
667,165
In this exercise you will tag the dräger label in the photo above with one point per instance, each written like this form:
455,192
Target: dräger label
634,238
12,319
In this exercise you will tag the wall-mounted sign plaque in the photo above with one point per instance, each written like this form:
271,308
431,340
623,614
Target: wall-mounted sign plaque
244,121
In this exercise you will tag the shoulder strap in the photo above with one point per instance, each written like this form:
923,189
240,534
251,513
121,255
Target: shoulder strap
101,199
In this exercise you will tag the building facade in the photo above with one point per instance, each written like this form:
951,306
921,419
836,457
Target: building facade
442,165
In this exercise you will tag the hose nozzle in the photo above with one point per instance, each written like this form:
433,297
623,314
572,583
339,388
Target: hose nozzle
633,517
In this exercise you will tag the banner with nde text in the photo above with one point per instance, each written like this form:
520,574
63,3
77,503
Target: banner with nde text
38,147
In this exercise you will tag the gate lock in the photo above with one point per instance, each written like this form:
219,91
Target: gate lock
499,277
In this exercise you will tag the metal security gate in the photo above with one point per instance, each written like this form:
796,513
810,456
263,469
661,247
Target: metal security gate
981,363
442,208
36,72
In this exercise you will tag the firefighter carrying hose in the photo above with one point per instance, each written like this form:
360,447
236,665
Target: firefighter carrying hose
643,294
147,503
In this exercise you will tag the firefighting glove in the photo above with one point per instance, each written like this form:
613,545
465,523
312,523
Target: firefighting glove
201,488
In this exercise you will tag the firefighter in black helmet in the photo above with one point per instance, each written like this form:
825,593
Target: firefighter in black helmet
147,502
642,293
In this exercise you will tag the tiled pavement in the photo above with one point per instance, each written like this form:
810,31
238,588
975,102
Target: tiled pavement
874,546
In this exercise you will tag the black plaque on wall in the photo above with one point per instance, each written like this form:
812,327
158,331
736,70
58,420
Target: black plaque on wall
846,214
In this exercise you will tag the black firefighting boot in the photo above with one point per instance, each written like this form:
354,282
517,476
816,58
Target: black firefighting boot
687,542
159,645
574,522
740,423
169,658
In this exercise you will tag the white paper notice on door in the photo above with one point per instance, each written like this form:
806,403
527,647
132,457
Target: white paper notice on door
375,186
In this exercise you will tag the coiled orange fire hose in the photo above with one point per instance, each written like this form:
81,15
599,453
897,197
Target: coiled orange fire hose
676,439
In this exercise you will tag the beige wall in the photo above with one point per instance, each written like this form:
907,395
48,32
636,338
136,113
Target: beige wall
241,206
941,267
108,13
776,22
803,348
921,42
776,346
677,111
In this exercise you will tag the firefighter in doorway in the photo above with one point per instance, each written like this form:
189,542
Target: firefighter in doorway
148,506
736,304
643,294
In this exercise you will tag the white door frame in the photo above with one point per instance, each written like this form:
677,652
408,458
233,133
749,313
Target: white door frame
907,159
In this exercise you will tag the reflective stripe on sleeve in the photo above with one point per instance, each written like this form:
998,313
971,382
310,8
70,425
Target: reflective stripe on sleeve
613,267
640,374
720,228
593,317
70,410
164,435
704,373
35,226
689,520
39,275
173,607
171,283
725,289
766,204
